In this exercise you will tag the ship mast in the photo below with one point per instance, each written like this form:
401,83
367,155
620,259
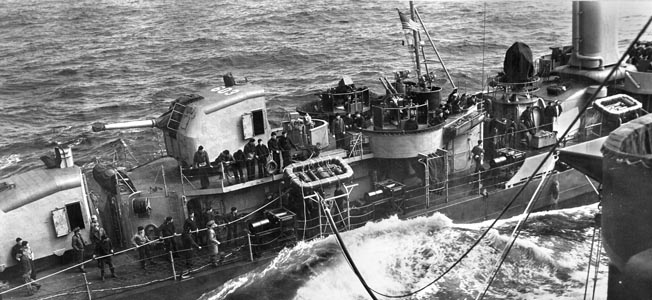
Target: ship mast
417,44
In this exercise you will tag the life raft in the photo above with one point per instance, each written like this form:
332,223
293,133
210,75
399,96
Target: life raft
618,106
318,172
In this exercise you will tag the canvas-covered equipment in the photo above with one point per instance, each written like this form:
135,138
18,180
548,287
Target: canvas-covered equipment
108,177
631,142
518,65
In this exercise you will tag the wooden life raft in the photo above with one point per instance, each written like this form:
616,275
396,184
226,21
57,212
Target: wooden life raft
617,106
317,172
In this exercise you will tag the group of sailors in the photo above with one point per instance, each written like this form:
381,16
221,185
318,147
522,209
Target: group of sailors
341,125
23,254
268,159
641,56
193,238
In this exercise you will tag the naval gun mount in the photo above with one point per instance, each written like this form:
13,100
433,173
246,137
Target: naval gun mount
219,118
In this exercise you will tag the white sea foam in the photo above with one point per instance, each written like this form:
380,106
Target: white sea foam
9,160
400,256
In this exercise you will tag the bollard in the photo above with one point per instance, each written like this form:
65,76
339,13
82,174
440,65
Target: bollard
88,288
174,271
251,252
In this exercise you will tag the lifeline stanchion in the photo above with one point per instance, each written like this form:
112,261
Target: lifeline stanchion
88,288
251,253
174,270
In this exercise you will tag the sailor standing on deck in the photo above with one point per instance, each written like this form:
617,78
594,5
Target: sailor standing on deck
25,256
213,242
272,144
239,158
140,241
16,249
250,159
478,154
200,160
104,250
232,231
262,153
78,245
190,238
286,144
338,131
168,232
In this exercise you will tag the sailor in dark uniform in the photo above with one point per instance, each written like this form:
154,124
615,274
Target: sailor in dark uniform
262,153
411,124
250,159
200,160
478,153
272,144
286,144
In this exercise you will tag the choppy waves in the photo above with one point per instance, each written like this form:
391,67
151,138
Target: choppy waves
74,63
399,256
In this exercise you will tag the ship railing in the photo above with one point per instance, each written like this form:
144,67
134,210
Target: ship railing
128,266
353,101
393,118
529,86
162,266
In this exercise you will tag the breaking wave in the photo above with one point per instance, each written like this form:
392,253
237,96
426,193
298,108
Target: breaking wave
399,256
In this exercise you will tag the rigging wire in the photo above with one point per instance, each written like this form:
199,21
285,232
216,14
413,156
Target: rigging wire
343,247
554,147
484,43
520,191
588,268
597,262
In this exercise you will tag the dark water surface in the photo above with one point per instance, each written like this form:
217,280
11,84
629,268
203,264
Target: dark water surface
67,64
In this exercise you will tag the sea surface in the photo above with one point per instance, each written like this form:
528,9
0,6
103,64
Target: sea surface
397,257
67,64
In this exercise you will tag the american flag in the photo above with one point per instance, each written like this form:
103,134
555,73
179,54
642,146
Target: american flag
406,22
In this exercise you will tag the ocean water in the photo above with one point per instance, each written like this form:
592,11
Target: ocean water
549,261
67,64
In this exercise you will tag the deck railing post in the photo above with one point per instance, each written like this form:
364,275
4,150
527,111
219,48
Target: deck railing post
224,174
348,211
321,234
88,288
183,190
165,185
479,181
174,271
251,252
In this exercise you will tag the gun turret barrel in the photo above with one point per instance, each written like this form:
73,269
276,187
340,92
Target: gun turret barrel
99,126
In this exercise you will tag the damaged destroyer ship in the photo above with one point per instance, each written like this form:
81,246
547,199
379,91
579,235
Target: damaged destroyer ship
411,155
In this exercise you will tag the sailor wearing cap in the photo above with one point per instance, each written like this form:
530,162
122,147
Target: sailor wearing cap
78,245
213,242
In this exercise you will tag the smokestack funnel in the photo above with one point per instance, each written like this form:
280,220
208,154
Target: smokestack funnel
595,35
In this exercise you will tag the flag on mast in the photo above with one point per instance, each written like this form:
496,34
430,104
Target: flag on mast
407,23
